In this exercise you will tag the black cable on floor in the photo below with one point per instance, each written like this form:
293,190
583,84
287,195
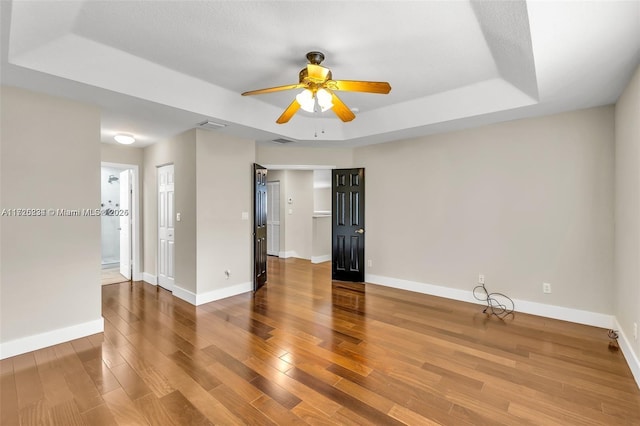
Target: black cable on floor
494,306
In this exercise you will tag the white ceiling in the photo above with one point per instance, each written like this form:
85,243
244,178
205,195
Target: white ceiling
159,68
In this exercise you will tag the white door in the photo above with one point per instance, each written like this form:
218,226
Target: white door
125,224
166,227
273,218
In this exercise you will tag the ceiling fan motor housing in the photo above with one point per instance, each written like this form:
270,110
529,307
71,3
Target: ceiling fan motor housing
303,77
315,57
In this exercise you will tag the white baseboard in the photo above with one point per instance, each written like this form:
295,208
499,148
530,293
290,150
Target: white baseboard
210,296
148,278
286,254
321,259
595,319
186,295
433,290
137,276
50,338
549,311
223,293
627,351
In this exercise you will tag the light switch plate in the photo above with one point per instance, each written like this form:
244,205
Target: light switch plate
178,217
245,215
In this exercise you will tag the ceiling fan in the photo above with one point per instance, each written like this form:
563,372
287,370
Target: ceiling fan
318,93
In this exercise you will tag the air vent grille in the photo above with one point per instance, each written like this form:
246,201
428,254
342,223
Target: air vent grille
282,141
211,125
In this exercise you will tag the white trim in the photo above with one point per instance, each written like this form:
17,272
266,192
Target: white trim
184,294
223,293
595,319
434,290
210,296
321,259
292,253
50,338
627,351
579,316
148,278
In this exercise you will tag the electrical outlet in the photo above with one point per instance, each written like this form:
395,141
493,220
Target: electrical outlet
635,331
480,278
546,288
369,263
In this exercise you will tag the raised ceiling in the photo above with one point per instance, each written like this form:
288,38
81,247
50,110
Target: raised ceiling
158,68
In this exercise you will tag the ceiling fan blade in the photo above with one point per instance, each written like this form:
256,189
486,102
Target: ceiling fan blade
289,112
362,86
317,73
341,109
274,89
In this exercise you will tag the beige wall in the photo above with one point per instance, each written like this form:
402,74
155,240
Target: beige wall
122,154
301,156
181,152
224,167
322,199
321,236
523,202
627,208
50,278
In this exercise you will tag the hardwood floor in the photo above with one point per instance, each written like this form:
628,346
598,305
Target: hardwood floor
112,275
305,350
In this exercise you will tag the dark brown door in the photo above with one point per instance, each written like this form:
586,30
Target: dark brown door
259,226
348,225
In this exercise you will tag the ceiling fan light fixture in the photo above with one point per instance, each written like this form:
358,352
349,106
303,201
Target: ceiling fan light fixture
324,100
306,101
124,139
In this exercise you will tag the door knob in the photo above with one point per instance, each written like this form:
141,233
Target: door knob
360,231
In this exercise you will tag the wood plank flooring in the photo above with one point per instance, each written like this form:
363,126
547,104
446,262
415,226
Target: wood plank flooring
304,350
112,275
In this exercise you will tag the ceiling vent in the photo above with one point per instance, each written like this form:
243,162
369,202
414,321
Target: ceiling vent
282,141
211,125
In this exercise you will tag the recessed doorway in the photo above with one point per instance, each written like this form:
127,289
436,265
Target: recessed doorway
118,222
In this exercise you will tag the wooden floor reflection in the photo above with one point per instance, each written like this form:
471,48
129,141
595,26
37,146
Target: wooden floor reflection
306,350
348,296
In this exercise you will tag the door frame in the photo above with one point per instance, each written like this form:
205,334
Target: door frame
135,216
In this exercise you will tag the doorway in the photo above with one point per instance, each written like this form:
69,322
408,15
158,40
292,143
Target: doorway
120,234
166,227
299,212
273,218
259,226
348,225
